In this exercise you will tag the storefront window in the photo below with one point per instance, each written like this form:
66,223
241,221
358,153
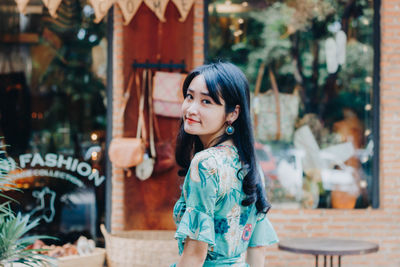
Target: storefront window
53,115
310,67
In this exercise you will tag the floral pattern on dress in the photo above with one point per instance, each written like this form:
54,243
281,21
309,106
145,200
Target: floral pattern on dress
210,210
221,226
246,232
244,217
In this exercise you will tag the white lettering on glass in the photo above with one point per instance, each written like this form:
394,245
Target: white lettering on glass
84,169
74,165
52,160
67,162
97,179
37,159
23,159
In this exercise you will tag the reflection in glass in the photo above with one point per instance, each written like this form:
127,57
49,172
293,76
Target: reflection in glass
53,115
310,67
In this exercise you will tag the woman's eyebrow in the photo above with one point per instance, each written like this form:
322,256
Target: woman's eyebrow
203,93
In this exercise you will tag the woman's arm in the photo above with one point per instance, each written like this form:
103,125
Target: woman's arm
194,253
256,256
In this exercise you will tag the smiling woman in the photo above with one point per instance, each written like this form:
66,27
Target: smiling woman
221,213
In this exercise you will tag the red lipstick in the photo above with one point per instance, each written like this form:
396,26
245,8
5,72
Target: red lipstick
191,121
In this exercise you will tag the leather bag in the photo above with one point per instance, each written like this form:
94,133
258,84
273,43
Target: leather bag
127,152
274,113
165,159
167,94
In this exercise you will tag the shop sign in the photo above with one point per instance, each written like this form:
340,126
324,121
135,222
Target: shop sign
54,166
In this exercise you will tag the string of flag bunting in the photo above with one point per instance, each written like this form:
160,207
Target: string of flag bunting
128,7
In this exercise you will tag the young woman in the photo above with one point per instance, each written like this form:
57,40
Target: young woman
221,213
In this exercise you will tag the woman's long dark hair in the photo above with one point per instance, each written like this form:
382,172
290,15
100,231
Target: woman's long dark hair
227,81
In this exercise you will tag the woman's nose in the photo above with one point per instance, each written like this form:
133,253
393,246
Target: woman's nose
192,108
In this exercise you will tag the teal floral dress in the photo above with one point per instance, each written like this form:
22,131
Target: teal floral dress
209,209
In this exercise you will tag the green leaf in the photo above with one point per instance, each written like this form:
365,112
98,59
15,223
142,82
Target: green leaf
14,227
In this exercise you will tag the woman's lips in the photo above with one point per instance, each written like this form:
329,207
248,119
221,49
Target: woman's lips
191,121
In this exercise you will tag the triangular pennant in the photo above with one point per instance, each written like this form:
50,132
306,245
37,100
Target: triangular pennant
184,7
21,4
52,6
101,8
129,8
158,7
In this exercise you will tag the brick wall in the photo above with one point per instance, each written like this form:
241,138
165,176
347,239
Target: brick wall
198,39
117,191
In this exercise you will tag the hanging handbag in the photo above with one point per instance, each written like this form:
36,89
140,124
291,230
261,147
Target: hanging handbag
126,152
165,159
274,113
145,169
161,157
167,94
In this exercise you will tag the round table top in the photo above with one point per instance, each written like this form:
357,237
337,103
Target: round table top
328,246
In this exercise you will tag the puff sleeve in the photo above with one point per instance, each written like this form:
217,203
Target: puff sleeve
200,191
264,233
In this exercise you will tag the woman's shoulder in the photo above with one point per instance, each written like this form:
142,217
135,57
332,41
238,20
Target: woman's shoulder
213,155
219,160
206,158
203,165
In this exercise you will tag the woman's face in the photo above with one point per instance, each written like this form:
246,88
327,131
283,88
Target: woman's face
201,115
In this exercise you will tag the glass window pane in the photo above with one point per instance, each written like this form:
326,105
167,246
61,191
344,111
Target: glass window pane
310,67
53,115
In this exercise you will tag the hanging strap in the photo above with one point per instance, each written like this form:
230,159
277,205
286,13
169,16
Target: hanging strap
151,114
126,95
141,126
260,75
277,103
141,130
155,119
156,127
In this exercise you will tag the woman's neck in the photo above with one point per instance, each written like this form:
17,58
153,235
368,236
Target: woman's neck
228,142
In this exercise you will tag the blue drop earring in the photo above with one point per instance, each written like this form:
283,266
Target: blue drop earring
229,130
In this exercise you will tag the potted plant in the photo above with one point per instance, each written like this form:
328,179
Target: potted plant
14,227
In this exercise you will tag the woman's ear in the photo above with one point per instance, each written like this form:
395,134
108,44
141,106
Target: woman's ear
233,115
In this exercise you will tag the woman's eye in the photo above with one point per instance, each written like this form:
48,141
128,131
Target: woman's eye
189,96
205,101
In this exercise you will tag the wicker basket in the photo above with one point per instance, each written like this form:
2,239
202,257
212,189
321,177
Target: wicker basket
95,259
140,248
